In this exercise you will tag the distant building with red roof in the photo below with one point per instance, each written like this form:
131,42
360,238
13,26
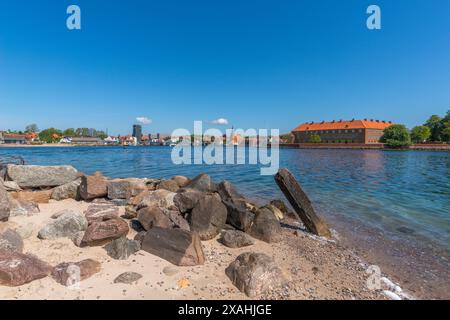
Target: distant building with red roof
353,131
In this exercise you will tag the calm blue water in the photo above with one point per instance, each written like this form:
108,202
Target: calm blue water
405,195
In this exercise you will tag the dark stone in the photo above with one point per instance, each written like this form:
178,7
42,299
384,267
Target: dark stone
238,215
208,217
122,248
187,199
236,239
203,183
301,203
180,247
71,273
153,216
228,191
255,274
266,226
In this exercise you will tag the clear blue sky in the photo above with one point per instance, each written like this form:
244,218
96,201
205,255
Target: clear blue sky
257,63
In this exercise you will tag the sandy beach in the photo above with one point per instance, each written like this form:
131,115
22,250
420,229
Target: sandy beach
315,268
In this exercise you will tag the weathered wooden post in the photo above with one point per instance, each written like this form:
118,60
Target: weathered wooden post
301,203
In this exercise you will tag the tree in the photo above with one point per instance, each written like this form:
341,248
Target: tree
420,134
396,136
70,132
101,134
50,135
32,128
435,125
315,138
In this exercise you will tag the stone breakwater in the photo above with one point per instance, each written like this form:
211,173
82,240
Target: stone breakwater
170,219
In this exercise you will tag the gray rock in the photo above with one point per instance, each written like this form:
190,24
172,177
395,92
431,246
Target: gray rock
77,238
58,214
187,199
5,206
122,248
236,239
170,185
67,225
23,207
67,191
26,230
238,214
170,271
28,176
180,247
128,277
161,198
120,202
126,188
208,217
276,212
266,226
11,240
12,186
203,183
254,274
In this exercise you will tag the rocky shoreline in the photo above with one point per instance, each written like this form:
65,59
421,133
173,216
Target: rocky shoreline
81,231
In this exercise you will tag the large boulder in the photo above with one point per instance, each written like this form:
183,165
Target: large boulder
266,226
170,185
208,216
186,200
236,239
122,248
71,273
66,225
101,212
227,191
160,198
180,247
95,186
255,274
239,215
42,196
99,233
203,183
153,216
125,188
17,268
11,240
5,206
28,176
67,191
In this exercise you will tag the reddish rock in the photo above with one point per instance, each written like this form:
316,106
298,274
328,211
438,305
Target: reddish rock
170,185
33,196
153,216
182,181
94,186
17,268
70,273
101,232
98,212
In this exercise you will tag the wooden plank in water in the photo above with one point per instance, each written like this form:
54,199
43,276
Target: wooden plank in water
301,203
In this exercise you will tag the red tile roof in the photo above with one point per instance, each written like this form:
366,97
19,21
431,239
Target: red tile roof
337,125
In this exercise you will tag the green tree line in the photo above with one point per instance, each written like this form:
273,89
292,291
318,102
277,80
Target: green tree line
435,129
